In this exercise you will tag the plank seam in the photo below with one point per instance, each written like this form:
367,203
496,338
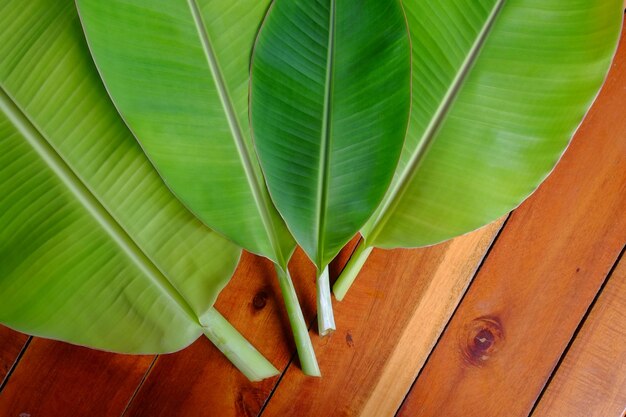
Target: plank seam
469,285
275,387
581,324
5,381
294,353
140,385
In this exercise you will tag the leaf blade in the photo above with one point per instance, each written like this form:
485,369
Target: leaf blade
167,77
526,86
63,274
311,107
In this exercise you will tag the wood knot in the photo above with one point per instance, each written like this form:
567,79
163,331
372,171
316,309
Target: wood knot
481,340
248,402
260,300
349,340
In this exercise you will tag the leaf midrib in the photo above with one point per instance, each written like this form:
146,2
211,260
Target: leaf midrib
261,198
43,147
399,189
326,136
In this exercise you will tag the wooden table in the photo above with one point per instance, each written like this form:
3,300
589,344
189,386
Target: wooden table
526,316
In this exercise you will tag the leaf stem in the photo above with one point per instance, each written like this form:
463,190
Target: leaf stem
351,270
299,328
325,317
236,348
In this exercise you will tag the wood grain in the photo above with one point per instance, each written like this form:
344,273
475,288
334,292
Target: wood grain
11,344
533,290
591,380
58,379
386,325
494,358
201,381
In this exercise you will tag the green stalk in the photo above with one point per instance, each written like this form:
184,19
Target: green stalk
236,348
299,328
351,270
325,317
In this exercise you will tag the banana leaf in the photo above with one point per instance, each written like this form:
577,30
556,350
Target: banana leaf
499,88
330,101
178,72
94,249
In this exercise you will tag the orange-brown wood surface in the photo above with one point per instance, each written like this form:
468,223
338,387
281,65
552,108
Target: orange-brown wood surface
499,322
533,290
387,325
57,379
11,345
201,381
592,376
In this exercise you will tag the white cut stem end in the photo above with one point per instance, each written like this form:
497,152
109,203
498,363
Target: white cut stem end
325,317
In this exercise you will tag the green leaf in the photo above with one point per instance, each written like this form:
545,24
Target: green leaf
94,248
178,72
499,87
330,99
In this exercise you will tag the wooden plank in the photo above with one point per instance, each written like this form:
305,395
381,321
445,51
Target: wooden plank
200,381
11,345
526,303
591,380
386,325
58,379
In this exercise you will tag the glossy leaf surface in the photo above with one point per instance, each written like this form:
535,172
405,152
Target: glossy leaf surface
499,88
330,98
94,249
178,72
